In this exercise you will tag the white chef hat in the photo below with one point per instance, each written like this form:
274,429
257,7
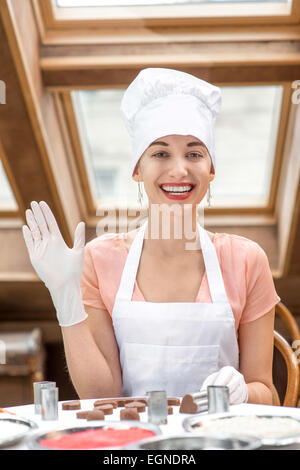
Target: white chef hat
161,102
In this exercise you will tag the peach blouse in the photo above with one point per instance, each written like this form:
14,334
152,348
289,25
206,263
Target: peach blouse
245,268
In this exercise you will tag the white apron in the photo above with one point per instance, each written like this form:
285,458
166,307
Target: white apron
173,346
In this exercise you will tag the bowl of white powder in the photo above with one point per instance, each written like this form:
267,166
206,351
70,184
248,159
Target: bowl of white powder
13,430
270,429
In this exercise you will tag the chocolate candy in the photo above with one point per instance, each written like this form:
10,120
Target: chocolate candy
129,413
105,401
173,401
82,414
140,407
90,415
106,408
96,414
122,401
71,405
194,402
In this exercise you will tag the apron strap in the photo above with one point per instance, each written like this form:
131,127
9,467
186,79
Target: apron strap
212,266
131,265
211,262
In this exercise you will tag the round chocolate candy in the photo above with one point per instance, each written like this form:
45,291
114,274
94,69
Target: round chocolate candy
107,409
136,404
130,414
105,401
91,415
71,405
173,401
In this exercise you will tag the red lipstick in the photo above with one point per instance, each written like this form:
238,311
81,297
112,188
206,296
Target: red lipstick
171,193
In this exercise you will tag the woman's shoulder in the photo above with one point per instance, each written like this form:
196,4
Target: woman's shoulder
106,241
236,243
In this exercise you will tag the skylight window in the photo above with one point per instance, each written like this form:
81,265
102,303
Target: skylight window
245,134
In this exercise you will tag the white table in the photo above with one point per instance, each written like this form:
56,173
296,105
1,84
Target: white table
68,418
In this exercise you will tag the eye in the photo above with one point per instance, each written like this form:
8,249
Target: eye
159,154
195,155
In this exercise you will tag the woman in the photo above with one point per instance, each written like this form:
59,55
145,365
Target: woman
135,319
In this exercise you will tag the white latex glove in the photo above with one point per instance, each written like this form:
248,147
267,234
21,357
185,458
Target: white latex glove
234,380
57,265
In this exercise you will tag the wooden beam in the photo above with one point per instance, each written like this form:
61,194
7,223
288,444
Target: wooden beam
19,146
115,65
279,143
168,35
288,200
64,78
29,126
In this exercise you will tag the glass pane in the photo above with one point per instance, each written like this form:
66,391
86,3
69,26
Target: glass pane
108,3
7,200
246,132
106,145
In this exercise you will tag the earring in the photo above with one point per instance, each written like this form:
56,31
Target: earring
140,193
209,196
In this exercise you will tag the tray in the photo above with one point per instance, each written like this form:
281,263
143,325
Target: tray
193,442
7,441
34,440
190,425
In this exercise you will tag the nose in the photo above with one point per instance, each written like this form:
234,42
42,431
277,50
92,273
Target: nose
178,167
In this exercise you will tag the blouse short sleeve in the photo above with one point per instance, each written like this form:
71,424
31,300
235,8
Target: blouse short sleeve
261,295
89,282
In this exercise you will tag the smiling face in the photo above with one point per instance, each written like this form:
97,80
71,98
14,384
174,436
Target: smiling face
175,169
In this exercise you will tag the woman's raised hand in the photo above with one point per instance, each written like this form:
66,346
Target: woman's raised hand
54,262
57,265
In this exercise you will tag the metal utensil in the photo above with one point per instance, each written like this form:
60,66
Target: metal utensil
49,404
157,406
37,387
218,398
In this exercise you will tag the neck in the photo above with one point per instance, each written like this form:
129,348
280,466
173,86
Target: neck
171,231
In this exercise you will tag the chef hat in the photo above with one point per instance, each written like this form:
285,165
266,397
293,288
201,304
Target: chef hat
161,102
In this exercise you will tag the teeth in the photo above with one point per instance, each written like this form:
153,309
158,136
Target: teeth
177,189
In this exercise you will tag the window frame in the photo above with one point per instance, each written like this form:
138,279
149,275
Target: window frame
5,211
56,18
70,116
41,84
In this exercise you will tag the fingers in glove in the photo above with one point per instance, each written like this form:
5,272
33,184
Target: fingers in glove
210,380
40,219
50,219
31,222
28,239
225,376
235,383
79,237
238,396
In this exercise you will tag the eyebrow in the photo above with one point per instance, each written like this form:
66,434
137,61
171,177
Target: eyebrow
190,144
